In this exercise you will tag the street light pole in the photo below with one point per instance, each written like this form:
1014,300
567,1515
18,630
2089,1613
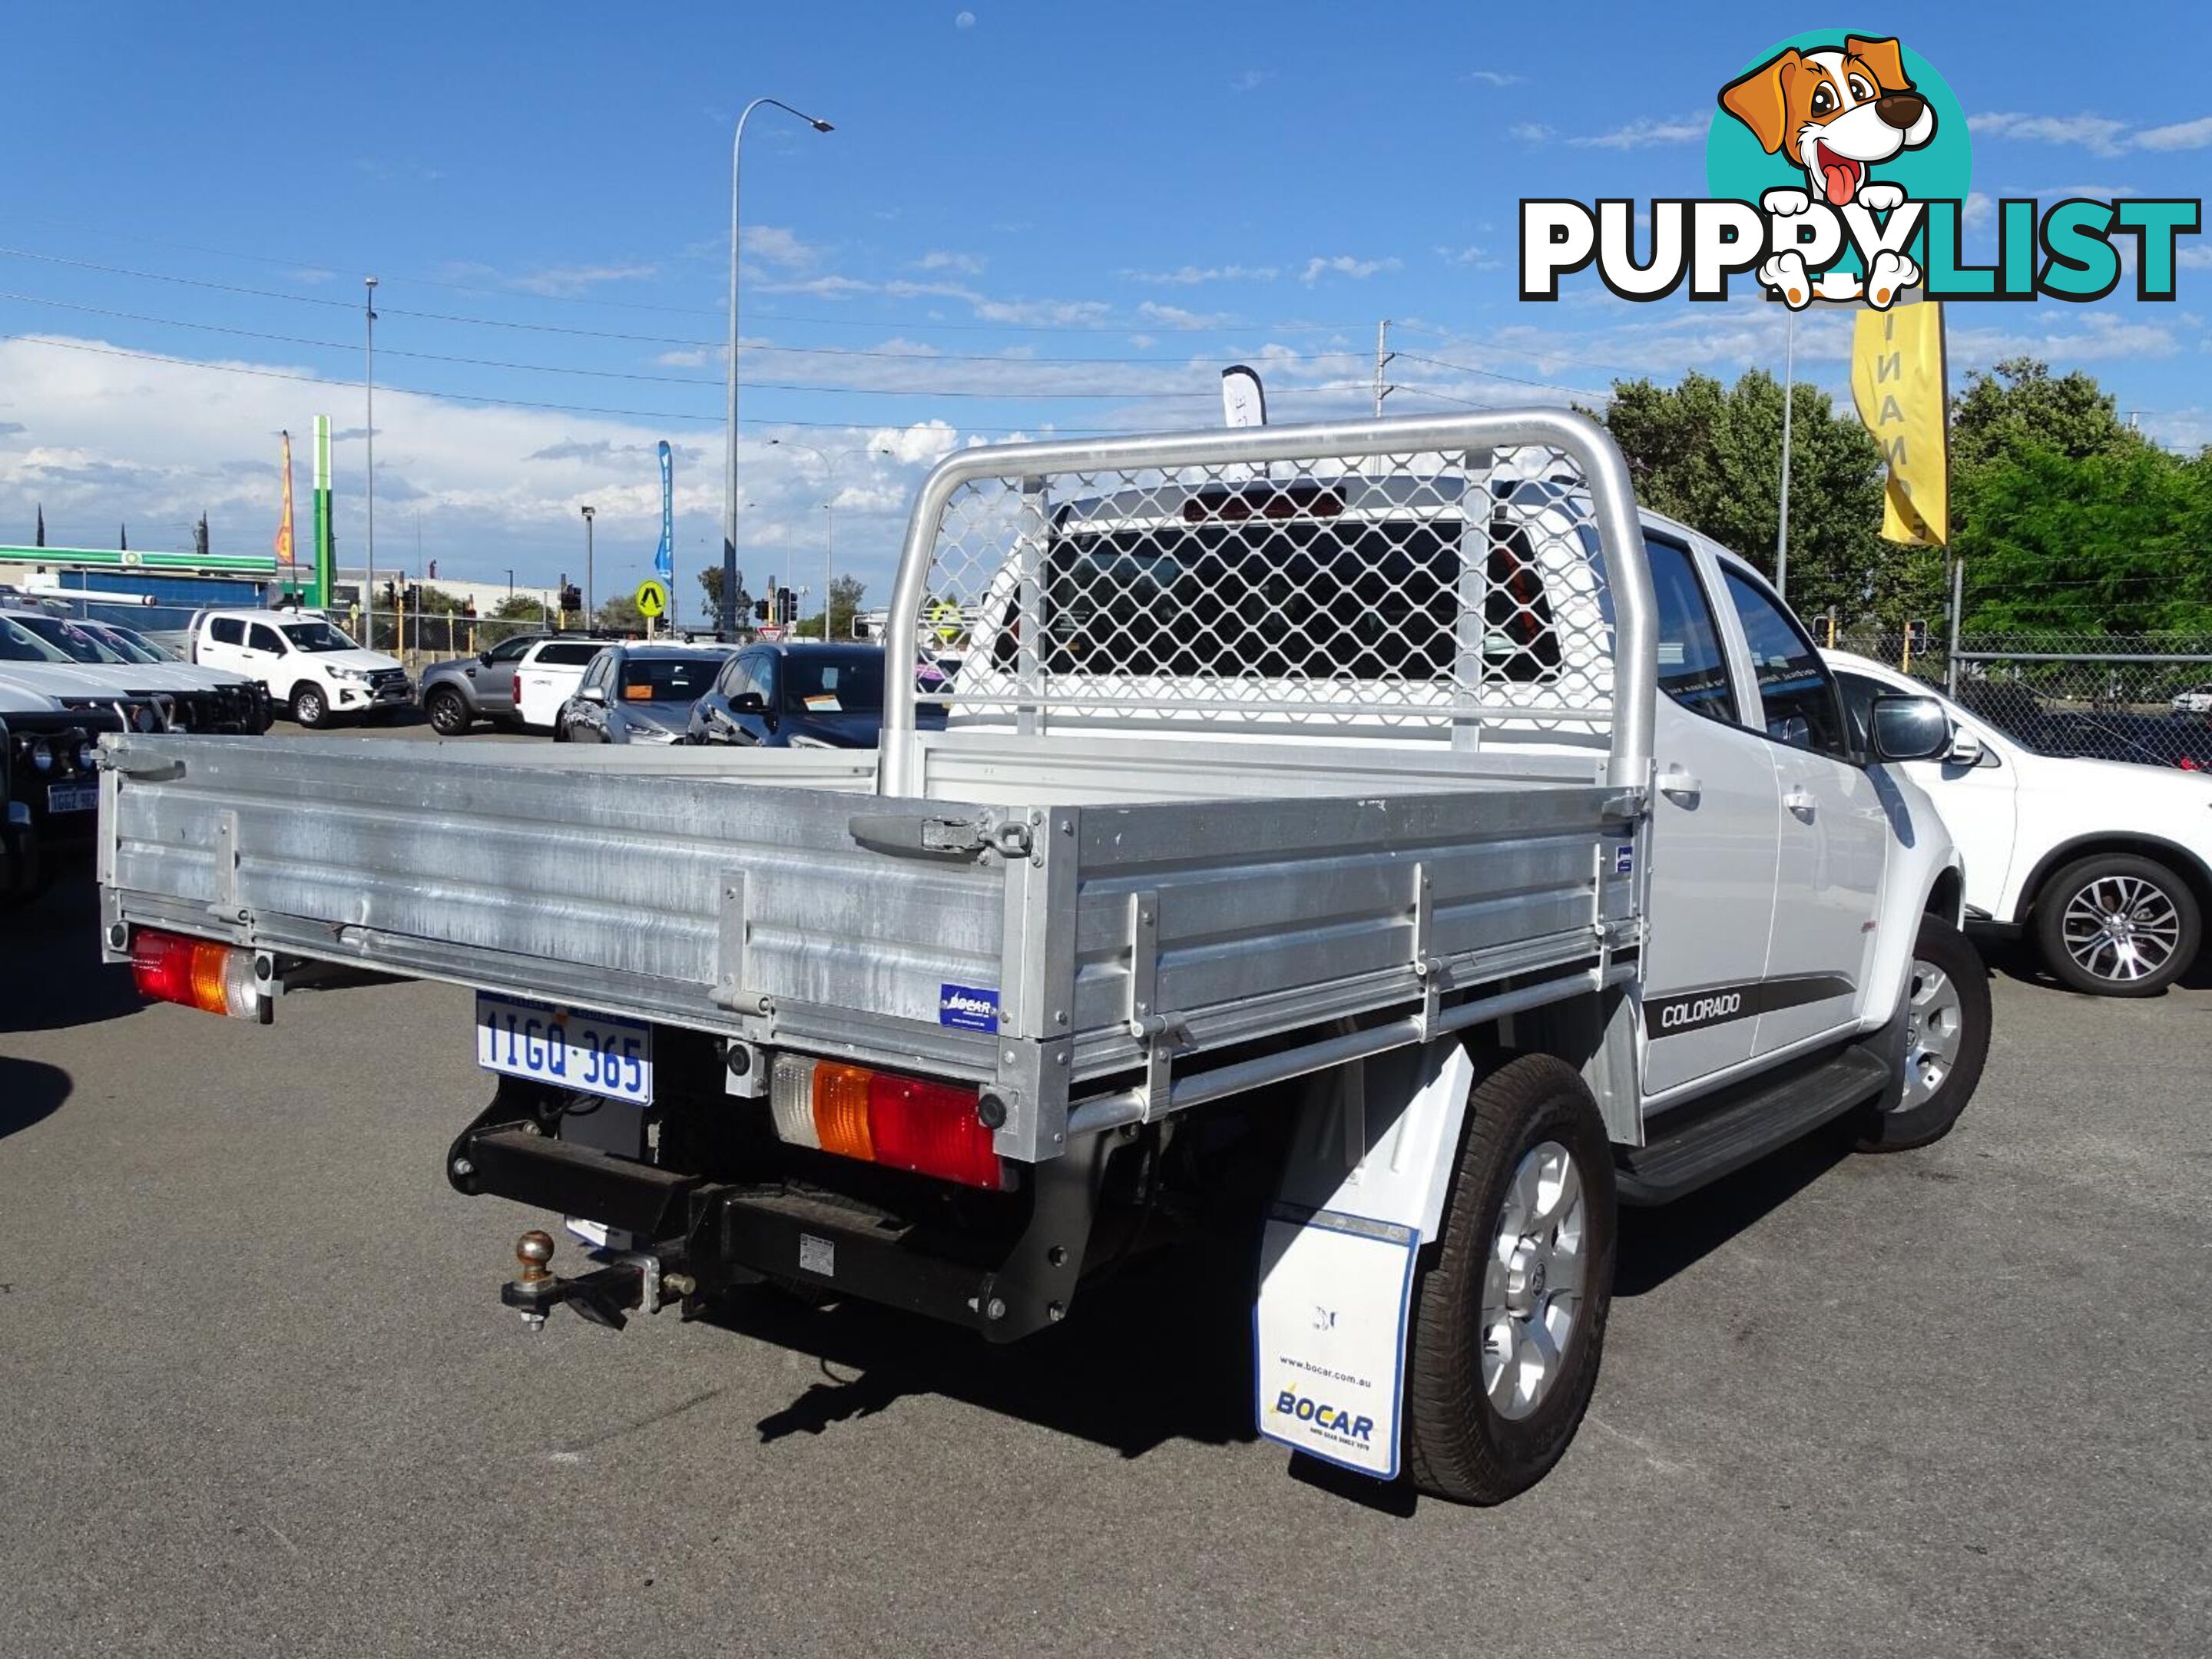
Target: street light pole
589,611
368,394
729,619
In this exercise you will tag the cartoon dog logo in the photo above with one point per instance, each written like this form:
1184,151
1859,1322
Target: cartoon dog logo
1835,114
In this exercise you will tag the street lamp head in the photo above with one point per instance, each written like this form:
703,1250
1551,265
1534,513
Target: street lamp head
371,281
823,126
587,512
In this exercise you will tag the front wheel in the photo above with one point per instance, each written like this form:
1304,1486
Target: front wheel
449,715
1509,1318
2118,925
1947,1039
309,706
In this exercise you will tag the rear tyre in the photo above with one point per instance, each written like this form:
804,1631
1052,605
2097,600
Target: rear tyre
449,715
309,706
1508,1315
1946,1040
2118,925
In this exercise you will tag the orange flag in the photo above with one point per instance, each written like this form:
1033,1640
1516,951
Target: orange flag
284,526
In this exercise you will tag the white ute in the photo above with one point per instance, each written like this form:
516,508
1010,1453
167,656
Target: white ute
2105,865
307,663
1370,848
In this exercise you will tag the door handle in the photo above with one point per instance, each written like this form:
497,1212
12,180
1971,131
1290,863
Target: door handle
1800,801
1677,785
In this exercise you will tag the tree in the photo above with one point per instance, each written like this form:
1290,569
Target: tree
42,525
2019,404
845,595
2117,543
711,580
1711,455
620,615
200,537
518,613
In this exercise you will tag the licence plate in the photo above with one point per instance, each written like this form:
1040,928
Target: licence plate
567,1047
72,797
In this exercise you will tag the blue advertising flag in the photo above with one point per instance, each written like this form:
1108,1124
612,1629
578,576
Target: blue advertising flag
664,560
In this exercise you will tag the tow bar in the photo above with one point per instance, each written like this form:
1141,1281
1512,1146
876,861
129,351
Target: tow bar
629,1280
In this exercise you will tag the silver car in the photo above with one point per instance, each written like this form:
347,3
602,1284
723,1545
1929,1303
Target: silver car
639,694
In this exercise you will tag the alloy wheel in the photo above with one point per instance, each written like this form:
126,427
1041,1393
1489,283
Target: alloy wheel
1532,1284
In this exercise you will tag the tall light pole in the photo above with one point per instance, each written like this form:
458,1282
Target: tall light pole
729,619
589,612
368,394
829,540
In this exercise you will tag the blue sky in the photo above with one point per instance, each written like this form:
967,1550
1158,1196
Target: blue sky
1079,214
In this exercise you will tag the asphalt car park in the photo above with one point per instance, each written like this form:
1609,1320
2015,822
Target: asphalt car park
262,1395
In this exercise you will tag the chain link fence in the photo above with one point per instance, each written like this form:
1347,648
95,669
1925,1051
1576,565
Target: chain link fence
2141,697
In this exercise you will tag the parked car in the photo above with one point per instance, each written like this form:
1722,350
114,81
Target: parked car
638,694
49,778
457,693
2196,699
547,675
1509,859
2106,865
800,696
305,662
193,699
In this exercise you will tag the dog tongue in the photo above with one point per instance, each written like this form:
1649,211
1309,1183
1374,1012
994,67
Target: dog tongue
1839,175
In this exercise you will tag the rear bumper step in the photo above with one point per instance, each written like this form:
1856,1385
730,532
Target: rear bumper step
1773,1112
722,1235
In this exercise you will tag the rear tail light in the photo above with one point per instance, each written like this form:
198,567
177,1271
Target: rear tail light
216,979
514,688
904,1122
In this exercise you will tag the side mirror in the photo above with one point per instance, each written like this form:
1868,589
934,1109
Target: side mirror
484,657
1966,749
749,702
593,694
1908,728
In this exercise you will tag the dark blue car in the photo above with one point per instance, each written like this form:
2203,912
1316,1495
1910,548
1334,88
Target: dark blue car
798,695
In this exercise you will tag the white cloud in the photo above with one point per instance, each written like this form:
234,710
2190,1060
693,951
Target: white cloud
1469,255
1643,132
965,20
1176,317
2181,135
1345,266
1530,132
2100,135
152,443
968,265
1493,78
689,357
779,247
1977,210
1251,79
1191,275
566,281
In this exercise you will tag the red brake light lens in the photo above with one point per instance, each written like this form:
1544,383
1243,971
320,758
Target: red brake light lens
931,1127
195,973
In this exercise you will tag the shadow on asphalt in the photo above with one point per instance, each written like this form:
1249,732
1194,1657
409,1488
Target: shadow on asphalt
30,1090
1158,1352
51,974
1657,1244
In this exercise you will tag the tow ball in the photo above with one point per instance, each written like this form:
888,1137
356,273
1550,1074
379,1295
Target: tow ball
628,1279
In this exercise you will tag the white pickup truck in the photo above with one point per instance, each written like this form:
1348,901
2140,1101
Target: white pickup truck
305,661
1375,833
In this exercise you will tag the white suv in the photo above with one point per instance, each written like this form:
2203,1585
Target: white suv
2106,864
307,665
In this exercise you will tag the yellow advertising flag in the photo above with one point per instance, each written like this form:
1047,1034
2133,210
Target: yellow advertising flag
1898,381
284,526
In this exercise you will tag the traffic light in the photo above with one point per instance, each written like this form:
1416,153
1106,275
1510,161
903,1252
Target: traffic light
572,598
760,609
786,607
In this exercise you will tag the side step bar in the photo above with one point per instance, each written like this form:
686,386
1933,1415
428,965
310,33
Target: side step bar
1720,1138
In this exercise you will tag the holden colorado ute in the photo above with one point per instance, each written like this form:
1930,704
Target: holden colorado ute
1374,841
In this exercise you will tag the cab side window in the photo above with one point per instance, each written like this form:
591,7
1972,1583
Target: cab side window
227,630
1692,669
510,650
1793,683
263,638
